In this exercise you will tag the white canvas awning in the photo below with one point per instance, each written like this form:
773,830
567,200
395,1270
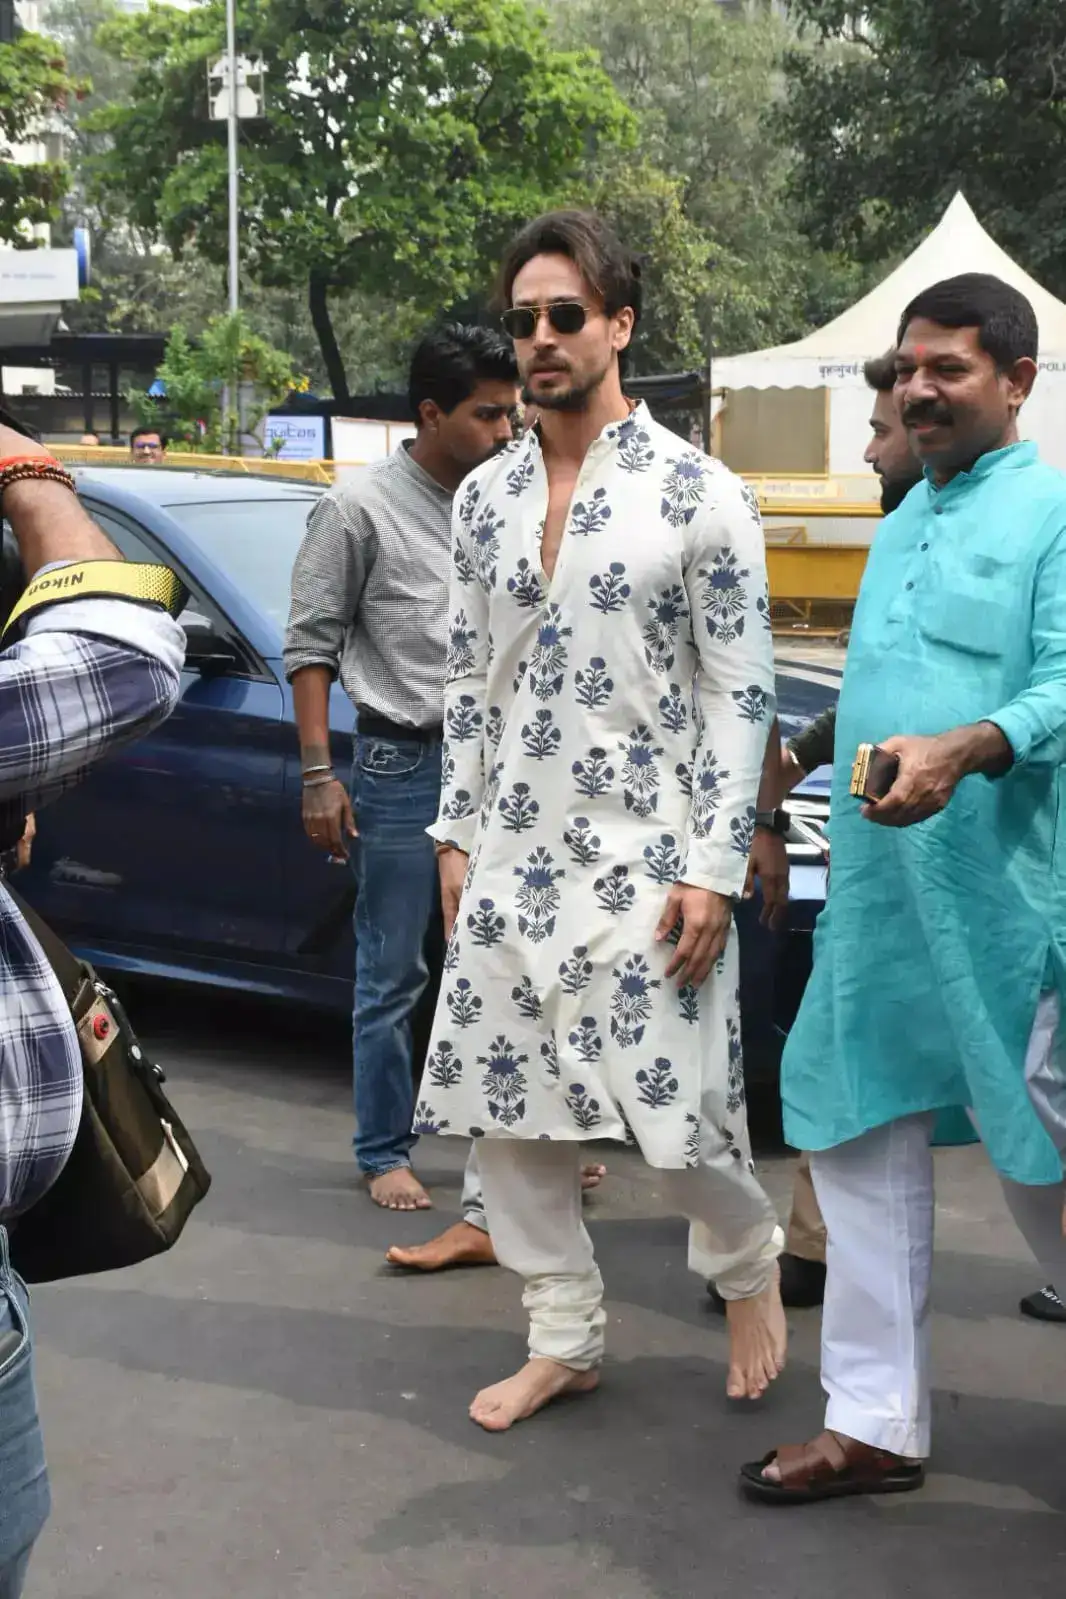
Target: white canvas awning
833,356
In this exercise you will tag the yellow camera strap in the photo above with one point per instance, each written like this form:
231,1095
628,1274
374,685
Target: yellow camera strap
97,580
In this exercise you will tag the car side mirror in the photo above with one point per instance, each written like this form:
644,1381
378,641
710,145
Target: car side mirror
206,651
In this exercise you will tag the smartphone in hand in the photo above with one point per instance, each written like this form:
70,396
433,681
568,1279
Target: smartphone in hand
873,772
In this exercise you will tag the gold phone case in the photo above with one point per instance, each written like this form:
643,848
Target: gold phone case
860,769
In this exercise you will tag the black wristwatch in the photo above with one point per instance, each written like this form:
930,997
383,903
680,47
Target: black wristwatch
776,821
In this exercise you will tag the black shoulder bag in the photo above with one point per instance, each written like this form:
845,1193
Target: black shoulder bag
134,1175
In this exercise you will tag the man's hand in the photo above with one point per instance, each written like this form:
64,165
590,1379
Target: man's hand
930,770
24,850
768,862
453,865
705,917
790,774
328,819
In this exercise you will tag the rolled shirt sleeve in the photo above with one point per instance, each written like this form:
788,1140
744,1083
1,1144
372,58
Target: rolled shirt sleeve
328,579
88,677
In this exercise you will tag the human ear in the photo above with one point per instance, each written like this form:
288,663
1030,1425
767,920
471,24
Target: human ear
622,328
1020,381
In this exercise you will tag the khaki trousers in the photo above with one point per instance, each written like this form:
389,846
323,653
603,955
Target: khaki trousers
806,1229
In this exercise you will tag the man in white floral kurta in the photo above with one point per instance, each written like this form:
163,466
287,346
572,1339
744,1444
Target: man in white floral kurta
610,691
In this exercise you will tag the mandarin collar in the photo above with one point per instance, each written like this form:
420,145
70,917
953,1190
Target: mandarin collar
1012,456
614,433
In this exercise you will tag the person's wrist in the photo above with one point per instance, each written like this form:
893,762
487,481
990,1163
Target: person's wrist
969,750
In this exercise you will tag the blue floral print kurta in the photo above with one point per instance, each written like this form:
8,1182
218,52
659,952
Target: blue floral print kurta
604,738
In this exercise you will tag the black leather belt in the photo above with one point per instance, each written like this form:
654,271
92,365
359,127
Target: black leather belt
370,726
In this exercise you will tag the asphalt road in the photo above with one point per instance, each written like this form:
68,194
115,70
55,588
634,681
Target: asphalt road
271,1412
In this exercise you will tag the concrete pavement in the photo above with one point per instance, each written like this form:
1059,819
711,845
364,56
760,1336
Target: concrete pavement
270,1411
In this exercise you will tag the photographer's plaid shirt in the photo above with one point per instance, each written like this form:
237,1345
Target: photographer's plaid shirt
89,676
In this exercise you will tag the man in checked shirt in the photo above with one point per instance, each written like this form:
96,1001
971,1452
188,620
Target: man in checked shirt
88,676
370,602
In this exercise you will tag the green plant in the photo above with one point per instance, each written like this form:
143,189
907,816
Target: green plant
227,359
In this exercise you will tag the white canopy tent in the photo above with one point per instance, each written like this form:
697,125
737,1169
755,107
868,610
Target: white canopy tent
832,357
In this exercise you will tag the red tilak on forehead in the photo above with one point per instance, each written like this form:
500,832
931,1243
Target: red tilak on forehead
919,350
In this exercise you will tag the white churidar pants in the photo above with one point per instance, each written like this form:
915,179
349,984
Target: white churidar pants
531,1205
877,1196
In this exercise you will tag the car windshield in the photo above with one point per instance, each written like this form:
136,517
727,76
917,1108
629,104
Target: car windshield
254,542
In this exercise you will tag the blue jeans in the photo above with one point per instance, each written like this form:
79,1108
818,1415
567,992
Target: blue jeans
395,794
24,1496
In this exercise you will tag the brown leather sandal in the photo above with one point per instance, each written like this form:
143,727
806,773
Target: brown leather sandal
831,1466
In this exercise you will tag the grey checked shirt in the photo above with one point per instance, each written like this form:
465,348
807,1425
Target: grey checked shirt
370,591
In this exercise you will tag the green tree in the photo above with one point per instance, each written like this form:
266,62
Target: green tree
34,86
705,84
644,205
226,354
402,141
892,115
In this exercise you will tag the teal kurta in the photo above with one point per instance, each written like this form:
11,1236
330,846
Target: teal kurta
937,939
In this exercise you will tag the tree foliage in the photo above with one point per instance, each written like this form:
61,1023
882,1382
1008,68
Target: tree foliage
893,114
34,86
645,207
705,85
402,141
226,354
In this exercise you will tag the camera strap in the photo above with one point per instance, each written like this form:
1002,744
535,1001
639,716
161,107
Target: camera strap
97,580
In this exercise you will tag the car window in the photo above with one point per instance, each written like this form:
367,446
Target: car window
254,542
199,614
133,545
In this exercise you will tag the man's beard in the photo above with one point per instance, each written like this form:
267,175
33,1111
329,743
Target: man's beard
574,399
894,491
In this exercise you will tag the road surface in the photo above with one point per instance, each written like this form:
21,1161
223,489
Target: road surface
272,1412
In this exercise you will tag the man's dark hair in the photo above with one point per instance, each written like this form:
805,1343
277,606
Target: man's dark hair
594,248
450,362
1004,319
880,372
143,432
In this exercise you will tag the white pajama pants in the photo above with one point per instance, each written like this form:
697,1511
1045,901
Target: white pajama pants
531,1199
877,1196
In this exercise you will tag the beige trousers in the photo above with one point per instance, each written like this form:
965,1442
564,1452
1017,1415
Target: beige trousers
806,1229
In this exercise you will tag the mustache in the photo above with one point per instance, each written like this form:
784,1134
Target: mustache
913,415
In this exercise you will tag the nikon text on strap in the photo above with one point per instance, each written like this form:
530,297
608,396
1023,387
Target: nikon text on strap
97,580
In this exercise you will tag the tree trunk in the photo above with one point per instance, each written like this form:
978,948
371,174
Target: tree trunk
318,304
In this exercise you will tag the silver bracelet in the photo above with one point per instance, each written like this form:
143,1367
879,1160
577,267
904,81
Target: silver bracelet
309,771
319,782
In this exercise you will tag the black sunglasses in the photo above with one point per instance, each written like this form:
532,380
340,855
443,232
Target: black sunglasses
565,316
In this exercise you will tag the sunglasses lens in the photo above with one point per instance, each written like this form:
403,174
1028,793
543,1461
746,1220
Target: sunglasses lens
567,318
520,322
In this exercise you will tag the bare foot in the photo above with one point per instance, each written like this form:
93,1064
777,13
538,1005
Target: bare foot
529,1390
458,1245
758,1338
399,1190
592,1177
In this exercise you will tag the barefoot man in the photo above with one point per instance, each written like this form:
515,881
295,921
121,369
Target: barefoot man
370,601
610,690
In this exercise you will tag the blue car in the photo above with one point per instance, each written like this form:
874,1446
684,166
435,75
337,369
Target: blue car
184,856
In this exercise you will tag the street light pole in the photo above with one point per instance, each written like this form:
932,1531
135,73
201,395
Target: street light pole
234,187
234,249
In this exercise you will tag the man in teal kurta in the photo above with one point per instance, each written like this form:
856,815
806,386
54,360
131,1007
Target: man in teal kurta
938,957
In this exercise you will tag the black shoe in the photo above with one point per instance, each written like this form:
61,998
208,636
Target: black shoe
802,1284
802,1281
1044,1305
